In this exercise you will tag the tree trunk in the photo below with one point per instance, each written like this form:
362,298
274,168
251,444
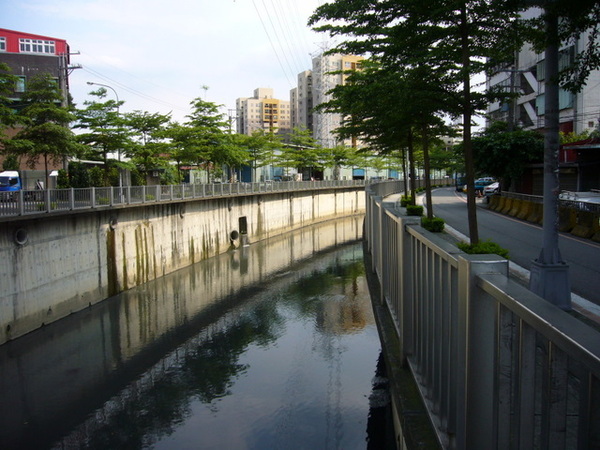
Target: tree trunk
427,168
467,144
411,167
46,170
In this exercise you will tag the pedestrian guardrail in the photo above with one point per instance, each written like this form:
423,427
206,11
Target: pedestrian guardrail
496,365
22,203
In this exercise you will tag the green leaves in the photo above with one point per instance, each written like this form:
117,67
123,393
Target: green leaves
44,125
504,154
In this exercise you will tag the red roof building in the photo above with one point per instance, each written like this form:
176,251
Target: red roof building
29,54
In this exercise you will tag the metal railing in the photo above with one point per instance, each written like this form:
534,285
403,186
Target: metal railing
497,366
22,203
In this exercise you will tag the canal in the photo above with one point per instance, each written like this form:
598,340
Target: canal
269,346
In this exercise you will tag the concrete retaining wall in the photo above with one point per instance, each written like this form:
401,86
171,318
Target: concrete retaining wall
54,265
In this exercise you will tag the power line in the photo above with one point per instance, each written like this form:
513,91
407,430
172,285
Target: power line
131,90
271,42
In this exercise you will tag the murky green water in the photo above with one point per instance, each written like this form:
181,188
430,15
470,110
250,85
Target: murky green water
272,346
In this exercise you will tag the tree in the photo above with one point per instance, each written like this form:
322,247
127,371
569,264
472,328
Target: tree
341,156
43,125
504,154
207,141
302,152
458,39
261,146
388,106
148,147
179,146
7,84
106,130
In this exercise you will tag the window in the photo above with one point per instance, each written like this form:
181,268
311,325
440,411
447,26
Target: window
37,46
20,84
2,44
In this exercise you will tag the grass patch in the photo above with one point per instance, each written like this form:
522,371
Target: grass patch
483,248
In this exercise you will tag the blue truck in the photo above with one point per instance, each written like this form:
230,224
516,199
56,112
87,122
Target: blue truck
10,184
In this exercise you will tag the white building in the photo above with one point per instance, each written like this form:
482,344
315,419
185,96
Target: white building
302,117
263,112
323,81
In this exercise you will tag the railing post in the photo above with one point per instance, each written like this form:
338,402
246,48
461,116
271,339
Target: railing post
405,302
474,369
21,203
47,200
93,194
72,198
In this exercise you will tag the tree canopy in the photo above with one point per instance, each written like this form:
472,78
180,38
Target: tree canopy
43,125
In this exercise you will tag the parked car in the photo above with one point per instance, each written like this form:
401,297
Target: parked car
480,184
491,189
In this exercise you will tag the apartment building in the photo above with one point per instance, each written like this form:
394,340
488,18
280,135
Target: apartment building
27,55
579,163
302,102
525,75
324,79
263,112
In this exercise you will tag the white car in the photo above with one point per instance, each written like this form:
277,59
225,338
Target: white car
491,189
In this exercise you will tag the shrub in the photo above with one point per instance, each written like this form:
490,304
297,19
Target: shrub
405,200
414,210
483,248
435,224
42,206
62,181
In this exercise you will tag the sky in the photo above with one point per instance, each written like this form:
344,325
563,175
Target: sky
159,55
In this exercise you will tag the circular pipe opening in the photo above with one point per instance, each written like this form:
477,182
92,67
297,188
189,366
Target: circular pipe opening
21,236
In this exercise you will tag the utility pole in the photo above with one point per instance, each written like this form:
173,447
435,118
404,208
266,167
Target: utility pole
549,273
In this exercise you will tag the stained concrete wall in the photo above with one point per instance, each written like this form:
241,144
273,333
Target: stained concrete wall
54,265
120,339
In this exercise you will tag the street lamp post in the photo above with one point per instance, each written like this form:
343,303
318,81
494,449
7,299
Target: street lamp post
91,83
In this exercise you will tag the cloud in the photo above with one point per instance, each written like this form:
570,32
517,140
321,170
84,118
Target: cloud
152,50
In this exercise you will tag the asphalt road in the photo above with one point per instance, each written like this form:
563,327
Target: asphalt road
524,240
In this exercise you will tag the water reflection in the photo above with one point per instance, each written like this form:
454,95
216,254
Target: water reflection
271,344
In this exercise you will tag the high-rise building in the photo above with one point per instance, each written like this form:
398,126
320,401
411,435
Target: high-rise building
263,112
324,79
303,113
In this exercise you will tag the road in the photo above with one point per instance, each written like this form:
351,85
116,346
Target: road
524,240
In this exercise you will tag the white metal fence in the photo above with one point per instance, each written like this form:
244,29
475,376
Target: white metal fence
23,202
497,366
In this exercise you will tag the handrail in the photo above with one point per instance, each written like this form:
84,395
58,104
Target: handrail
497,366
35,202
